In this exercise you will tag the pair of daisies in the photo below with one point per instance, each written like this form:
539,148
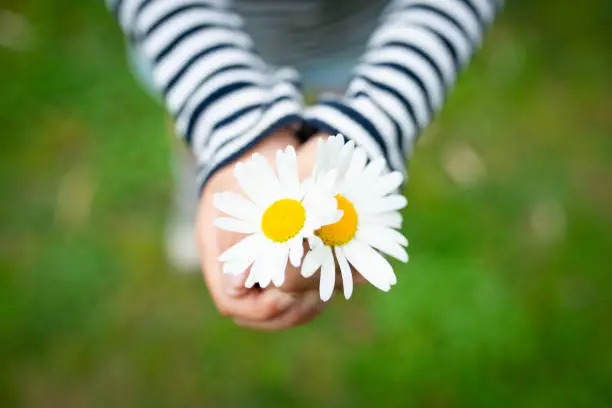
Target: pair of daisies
348,211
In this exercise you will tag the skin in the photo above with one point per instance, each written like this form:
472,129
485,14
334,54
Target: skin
297,301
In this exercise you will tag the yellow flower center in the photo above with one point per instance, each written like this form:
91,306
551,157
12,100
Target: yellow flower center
343,231
283,220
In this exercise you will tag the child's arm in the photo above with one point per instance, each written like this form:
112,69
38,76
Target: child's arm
226,102
223,96
412,61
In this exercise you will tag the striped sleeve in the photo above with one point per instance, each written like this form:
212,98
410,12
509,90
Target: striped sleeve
411,62
223,96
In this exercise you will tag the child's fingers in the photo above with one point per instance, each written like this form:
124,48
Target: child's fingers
295,282
302,311
232,299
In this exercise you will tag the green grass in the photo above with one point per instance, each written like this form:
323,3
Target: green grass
501,304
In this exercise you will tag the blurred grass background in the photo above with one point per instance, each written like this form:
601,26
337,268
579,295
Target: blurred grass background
506,300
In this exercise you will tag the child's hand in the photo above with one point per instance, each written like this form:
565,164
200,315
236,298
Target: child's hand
272,308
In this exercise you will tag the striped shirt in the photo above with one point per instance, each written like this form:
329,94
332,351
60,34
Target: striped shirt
226,95
294,32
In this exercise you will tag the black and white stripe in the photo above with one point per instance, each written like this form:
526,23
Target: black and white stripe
223,96
411,63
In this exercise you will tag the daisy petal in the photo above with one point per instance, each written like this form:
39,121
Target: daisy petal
356,166
296,251
389,183
337,142
345,271
370,264
392,202
261,269
320,203
344,158
232,224
326,183
280,267
248,245
313,261
314,242
335,145
377,239
394,235
320,157
235,205
250,280
237,266
375,168
306,186
328,277
331,217
286,164
392,279
391,219
267,181
249,184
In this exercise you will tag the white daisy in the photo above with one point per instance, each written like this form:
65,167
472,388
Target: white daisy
278,214
367,195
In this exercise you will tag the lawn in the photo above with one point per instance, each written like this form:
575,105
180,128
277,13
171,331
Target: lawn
506,300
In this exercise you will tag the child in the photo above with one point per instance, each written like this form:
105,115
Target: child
220,68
